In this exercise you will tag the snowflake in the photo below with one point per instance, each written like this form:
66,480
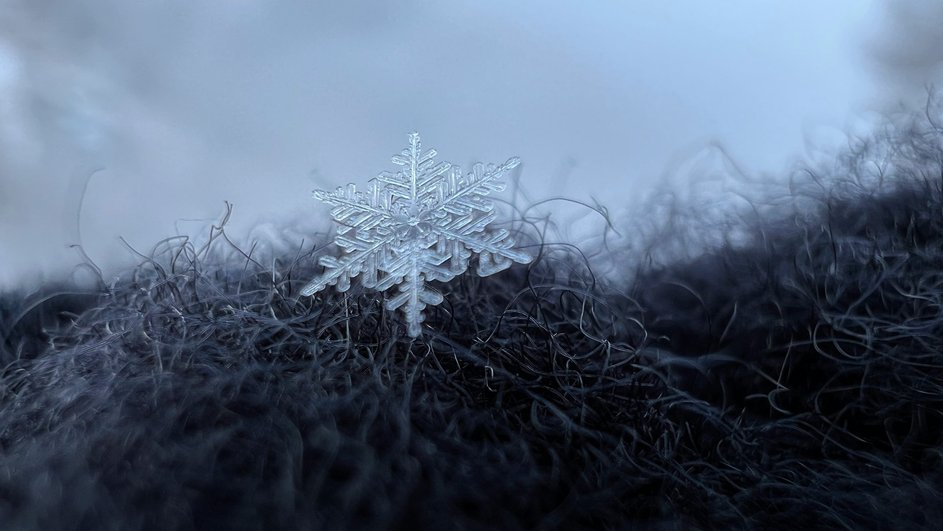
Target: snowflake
418,224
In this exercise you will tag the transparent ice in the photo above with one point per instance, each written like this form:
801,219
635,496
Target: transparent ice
420,223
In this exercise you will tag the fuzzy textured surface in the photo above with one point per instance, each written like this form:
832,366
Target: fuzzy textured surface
788,377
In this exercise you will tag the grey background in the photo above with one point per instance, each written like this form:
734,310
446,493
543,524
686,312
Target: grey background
173,107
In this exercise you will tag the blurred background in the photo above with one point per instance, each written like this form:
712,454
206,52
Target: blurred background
139,119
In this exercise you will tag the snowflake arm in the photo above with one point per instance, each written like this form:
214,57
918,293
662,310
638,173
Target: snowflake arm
413,294
472,213
364,258
418,224
357,209
368,213
494,250
462,196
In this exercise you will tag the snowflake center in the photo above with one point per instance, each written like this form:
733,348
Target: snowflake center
413,213
412,227
411,222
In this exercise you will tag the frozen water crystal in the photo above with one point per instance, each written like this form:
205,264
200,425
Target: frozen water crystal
420,223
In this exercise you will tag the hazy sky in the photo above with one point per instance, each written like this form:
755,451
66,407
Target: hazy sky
183,104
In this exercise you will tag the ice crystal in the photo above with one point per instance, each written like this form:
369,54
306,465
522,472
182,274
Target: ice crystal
418,224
